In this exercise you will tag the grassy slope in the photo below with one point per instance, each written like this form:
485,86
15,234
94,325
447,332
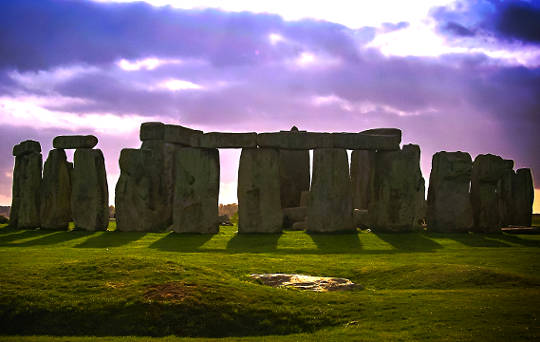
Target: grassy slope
441,287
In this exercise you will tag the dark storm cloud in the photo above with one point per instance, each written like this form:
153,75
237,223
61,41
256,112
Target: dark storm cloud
505,20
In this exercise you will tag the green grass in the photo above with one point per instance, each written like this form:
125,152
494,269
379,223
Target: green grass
421,286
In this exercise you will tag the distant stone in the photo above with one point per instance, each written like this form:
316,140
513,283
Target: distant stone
75,141
196,191
304,198
449,203
90,194
228,140
302,225
152,131
55,210
306,282
292,215
362,168
361,218
330,206
397,202
487,171
26,191
224,220
523,197
259,206
294,176
26,147
184,136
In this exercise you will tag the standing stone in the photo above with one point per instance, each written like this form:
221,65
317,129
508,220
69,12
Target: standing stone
504,190
397,192
523,197
26,185
55,211
362,163
449,202
90,195
330,206
259,205
294,175
196,191
487,172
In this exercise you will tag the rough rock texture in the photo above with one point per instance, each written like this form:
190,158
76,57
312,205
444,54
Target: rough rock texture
75,141
330,207
55,206
504,190
449,203
302,225
196,191
25,147
306,282
397,197
292,215
90,194
523,197
294,176
26,189
152,131
487,172
304,198
228,140
361,218
259,207
362,166
177,134
144,192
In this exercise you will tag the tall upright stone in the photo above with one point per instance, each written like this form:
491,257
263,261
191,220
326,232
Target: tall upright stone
523,198
487,172
449,204
330,206
259,204
196,191
294,175
55,210
504,191
362,166
90,195
397,192
26,185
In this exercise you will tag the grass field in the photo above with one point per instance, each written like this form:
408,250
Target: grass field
421,286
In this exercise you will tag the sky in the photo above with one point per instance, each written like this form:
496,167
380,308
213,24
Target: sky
453,75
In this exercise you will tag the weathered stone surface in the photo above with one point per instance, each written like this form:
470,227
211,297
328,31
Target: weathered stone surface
523,197
384,131
295,140
228,140
449,202
361,141
330,207
75,141
144,192
362,168
487,172
177,134
26,188
292,215
294,175
361,218
304,198
196,191
302,225
504,190
152,131
55,206
90,194
259,207
25,147
397,197
306,282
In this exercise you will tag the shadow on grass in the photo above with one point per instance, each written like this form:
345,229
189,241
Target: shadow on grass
110,239
13,235
409,242
337,243
253,243
517,240
477,240
174,242
49,238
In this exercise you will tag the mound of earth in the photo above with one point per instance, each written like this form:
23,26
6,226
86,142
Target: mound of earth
305,282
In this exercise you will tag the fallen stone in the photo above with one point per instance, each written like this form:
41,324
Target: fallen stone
55,204
152,131
224,220
449,203
196,191
26,191
294,175
26,147
90,194
292,215
302,225
361,218
523,198
259,207
362,168
75,141
177,134
228,140
397,202
330,206
305,282
304,198
361,141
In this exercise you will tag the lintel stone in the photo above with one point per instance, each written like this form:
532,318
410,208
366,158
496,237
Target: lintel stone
228,140
75,141
177,134
26,147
